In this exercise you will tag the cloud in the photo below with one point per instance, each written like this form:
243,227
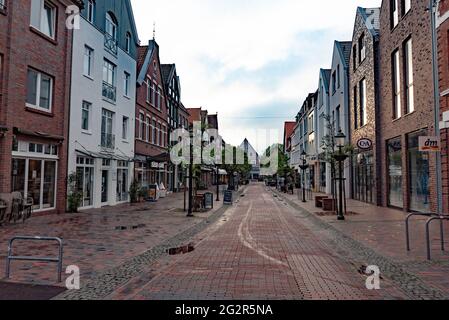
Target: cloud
254,58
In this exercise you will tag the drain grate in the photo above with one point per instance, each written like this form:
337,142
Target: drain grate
134,227
181,250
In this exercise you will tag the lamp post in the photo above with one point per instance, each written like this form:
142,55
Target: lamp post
340,157
218,184
304,167
190,212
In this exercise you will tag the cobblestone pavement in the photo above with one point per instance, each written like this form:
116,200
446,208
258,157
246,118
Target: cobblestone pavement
100,240
261,248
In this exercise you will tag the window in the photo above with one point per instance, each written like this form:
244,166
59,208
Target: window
338,77
128,42
43,16
85,115
107,138
2,5
356,109
395,194
126,83
154,137
111,26
406,6
109,89
85,180
334,82
159,98
394,13
362,48
142,128
125,123
419,174
88,61
39,90
159,128
338,122
354,57
408,65
91,11
396,85
148,129
363,113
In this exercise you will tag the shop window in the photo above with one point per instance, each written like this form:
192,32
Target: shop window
395,196
418,174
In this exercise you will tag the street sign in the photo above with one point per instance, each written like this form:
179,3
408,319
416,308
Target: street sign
228,195
364,144
429,144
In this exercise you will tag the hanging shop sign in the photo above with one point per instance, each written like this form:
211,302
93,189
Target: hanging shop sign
364,144
429,144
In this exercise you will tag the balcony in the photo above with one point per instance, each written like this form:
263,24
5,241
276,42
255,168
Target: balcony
109,91
110,44
108,141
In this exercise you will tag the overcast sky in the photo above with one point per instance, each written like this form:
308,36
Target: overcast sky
252,61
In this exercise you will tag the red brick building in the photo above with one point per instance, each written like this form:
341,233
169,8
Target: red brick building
406,105
152,157
35,51
443,60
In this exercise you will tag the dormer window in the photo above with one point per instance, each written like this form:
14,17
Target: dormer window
90,11
111,26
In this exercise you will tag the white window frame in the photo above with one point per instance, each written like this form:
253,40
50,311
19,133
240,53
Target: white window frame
106,67
363,103
91,11
128,42
109,23
395,13
36,21
125,128
89,56
397,85
88,109
38,92
407,6
409,84
126,84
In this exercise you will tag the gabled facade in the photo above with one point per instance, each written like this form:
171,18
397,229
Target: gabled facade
175,118
406,105
364,106
253,159
35,69
320,130
103,91
152,157
339,103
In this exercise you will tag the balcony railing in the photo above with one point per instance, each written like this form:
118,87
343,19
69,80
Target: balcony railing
110,43
108,141
109,91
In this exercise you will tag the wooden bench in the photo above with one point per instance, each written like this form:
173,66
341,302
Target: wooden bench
319,201
329,204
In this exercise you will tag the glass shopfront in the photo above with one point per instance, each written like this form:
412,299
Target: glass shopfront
122,181
363,183
323,177
395,191
85,179
418,174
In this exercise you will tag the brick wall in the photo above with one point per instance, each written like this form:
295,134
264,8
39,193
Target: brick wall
28,48
366,70
416,24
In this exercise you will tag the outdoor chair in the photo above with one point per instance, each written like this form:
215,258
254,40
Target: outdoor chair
5,213
21,207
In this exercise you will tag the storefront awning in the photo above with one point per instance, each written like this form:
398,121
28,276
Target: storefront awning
163,157
222,172
37,134
107,156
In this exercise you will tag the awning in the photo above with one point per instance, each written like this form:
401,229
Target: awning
222,172
163,157
104,155
37,134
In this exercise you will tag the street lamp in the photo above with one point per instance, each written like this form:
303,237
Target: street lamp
340,157
218,184
304,167
190,212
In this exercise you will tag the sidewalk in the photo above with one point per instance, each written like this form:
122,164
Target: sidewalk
383,230
97,240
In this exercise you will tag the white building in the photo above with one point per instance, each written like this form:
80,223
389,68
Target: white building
253,159
102,116
321,131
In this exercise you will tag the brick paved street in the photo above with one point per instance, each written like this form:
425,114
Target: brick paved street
261,249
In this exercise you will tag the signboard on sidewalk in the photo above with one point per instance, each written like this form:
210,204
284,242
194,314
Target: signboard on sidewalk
228,197
429,144
209,200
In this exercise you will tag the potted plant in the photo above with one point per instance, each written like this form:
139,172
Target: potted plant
74,196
